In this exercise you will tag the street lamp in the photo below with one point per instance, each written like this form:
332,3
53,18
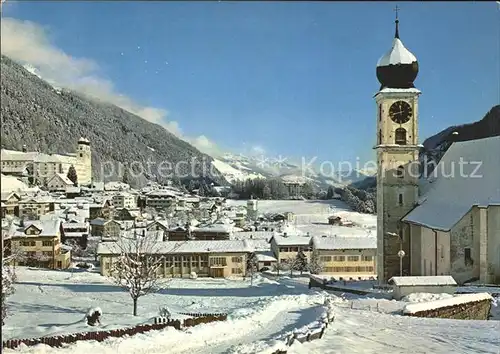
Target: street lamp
401,253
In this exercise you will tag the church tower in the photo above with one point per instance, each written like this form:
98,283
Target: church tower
397,156
84,162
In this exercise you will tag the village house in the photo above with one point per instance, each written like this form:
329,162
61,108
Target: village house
100,209
346,256
38,243
75,230
265,260
105,228
58,183
127,214
124,200
161,199
10,204
286,247
34,207
216,259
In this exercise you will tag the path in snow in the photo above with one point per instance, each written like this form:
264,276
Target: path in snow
278,322
367,332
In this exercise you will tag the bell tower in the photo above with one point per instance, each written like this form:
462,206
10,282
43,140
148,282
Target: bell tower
397,156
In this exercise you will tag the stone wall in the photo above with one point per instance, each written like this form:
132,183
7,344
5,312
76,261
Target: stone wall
477,310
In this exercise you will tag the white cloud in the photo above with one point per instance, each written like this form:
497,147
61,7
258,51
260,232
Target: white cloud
28,43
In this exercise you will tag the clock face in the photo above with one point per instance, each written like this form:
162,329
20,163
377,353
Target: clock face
400,112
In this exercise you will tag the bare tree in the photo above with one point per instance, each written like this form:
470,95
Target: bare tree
279,266
8,279
136,269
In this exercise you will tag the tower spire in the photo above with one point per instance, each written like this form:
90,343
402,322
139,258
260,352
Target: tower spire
396,9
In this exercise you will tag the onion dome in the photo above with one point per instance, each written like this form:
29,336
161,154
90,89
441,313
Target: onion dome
398,68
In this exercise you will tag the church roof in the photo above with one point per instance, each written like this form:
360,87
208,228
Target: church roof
467,175
398,54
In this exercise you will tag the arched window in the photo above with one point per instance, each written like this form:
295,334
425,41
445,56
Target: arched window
380,136
400,172
400,199
401,136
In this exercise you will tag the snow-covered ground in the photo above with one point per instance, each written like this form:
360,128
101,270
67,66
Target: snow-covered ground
54,302
50,302
312,215
367,332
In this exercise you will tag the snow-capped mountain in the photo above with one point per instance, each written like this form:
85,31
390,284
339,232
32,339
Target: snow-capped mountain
240,167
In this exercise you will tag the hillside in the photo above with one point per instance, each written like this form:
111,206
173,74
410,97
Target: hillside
51,120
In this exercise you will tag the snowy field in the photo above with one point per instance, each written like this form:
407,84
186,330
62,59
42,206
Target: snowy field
53,302
311,216
50,302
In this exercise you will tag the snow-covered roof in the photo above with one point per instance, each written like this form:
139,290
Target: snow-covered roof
63,178
475,182
398,54
265,256
49,227
169,247
399,90
456,300
344,243
439,280
291,240
11,184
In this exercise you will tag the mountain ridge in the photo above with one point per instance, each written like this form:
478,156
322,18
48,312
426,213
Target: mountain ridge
33,110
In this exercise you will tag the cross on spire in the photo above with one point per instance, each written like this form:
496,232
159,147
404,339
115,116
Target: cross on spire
396,9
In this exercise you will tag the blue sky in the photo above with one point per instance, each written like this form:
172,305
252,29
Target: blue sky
294,78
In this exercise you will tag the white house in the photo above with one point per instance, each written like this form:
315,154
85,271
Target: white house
59,182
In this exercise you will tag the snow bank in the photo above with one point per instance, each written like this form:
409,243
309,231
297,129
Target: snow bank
426,297
455,300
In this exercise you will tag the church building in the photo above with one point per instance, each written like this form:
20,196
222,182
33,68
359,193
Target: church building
446,225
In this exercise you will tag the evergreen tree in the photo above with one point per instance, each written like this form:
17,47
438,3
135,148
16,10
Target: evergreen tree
252,266
307,190
315,265
330,193
72,175
126,175
301,263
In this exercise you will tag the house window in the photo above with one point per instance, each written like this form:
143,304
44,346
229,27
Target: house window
46,243
236,271
236,260
400,199
367,258
352,258
468,257
401,136
47,253
218,261
400,172
325,258
339,258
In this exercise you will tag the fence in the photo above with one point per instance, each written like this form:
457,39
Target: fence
58,341
305,337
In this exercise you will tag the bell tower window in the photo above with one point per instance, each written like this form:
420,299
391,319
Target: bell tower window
380,136
400,172
400,199
400,136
